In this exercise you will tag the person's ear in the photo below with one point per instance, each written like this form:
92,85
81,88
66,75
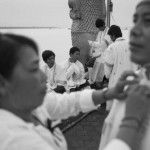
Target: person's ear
3,85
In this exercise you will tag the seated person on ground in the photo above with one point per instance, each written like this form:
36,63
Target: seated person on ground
75,72
56,79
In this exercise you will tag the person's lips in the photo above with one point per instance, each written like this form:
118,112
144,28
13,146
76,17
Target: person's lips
135,46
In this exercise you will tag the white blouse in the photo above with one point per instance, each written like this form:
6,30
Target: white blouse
16,134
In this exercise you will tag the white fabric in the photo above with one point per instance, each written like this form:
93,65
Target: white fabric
117,55
117,60
113,121
75,73
55,76
117,144
59,106
16,134
98,48
100,44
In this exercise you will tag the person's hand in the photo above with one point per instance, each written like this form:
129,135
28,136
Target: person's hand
137,102
119,89
90,42
136,110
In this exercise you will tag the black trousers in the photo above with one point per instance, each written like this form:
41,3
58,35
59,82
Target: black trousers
60,89
79,88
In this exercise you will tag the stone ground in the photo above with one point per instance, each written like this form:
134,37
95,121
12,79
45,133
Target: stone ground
84,131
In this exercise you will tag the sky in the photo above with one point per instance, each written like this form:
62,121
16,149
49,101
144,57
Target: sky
55,13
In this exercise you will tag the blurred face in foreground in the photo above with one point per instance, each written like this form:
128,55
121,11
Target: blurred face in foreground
27,84
140,35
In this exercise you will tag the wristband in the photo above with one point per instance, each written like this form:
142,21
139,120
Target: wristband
130,122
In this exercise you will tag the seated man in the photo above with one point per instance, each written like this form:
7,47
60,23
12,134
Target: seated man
56,79
75,72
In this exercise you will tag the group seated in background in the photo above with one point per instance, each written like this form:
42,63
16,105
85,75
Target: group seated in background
56,79
75,72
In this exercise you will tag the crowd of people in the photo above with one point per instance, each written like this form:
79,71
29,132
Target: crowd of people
34,99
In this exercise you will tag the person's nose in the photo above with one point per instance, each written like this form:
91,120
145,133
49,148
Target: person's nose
43,76
136,30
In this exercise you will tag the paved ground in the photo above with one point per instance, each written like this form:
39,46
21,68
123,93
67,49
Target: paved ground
83,132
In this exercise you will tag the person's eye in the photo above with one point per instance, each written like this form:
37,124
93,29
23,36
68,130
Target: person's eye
35,69
134,20
147,21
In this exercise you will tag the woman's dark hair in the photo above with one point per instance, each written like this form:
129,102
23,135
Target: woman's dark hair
46,54
99,23
73,50
115,30
10,45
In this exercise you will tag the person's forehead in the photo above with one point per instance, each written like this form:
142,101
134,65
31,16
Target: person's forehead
143,2
76,52
143,10
27,54
52,56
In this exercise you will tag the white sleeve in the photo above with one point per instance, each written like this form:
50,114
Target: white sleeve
117,144
107,70
62,106
70,71
76,69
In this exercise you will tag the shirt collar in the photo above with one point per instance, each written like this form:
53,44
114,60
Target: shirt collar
52,67
120,39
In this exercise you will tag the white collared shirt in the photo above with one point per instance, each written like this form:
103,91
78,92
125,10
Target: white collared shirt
55,76
115,116
75,73
117,60
16,134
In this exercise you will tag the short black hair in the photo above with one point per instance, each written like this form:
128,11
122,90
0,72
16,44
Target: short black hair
99,23
10,46
115,30
73,50
46,54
